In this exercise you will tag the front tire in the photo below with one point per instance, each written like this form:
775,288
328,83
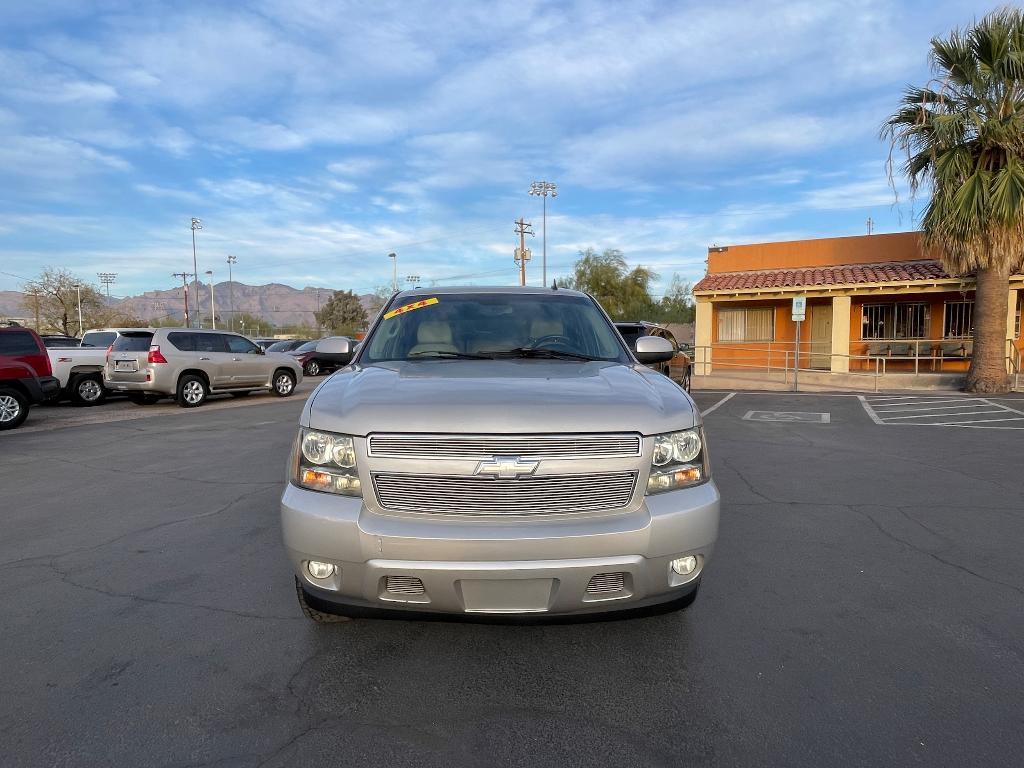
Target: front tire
192,391
284,383
312,368
319,617
87,389
13,408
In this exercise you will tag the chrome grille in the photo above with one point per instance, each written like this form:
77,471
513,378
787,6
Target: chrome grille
404,585
534,495
485,446
603,583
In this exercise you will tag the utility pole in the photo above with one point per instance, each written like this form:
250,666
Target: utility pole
523,228
78,288
543,189
231,291
184,284
213,310
196,224
871,226
107,278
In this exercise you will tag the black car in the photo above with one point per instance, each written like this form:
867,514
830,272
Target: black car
286,345
315,363
679,368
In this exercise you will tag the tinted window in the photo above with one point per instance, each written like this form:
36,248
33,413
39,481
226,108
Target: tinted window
493,325
185,342
239,345
309,346
630,333
99,339
18,343
210,342
59,342
133,342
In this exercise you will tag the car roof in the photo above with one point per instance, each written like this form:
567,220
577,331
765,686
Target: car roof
640,323
452,290
116,330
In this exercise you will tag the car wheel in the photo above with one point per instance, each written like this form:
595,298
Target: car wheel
192,391
87,389
284,383
312,368
143,398
312,613
13,408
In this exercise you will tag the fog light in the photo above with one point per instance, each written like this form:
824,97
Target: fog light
684,566
319,570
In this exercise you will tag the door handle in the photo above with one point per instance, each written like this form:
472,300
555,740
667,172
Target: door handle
236,359
204,358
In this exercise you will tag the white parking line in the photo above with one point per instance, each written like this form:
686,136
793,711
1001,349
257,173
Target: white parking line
719,404
939,411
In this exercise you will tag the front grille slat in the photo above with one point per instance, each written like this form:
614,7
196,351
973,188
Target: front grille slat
485,446
605,583
472,495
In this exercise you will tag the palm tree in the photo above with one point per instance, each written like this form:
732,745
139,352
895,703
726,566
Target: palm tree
963,134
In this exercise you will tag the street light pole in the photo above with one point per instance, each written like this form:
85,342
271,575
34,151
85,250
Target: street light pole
231,291
394,274
543,189
213,310
196,224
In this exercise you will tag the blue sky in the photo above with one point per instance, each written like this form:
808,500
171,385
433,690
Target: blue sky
313,137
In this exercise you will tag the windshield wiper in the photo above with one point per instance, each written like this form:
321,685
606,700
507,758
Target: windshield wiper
550,354
448,355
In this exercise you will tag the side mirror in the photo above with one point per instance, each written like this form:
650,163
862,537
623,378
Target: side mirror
335,345
653,349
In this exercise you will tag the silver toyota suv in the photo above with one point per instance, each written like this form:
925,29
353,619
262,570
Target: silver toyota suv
190,364
498,451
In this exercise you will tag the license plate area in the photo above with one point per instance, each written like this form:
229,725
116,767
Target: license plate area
506,595
126,365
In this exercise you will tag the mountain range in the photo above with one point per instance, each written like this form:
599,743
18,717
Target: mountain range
274,302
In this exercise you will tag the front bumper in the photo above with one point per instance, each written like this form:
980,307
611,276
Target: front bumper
516,566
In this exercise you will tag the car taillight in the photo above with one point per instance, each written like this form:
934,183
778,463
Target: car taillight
155,355
109,350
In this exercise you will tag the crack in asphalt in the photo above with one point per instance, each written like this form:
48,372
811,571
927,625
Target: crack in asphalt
932,555
157,526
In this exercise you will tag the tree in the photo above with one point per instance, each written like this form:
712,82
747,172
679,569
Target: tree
52,298
677,304
624,293
963,134
343,314
250,325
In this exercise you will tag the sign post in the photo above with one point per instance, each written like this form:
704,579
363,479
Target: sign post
799,313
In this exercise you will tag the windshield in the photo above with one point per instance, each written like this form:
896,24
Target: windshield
99,339
132,342
309,346
493,325
282,346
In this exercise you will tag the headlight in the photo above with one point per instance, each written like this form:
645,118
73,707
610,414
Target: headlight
678,461
326,462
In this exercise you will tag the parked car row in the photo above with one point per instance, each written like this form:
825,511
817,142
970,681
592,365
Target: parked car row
147,365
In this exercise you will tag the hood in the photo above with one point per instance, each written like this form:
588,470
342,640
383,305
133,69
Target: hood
498,396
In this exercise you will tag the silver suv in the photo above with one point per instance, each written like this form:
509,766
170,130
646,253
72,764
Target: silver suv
191,364
498,451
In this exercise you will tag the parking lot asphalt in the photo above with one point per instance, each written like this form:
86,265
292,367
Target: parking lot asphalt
865,607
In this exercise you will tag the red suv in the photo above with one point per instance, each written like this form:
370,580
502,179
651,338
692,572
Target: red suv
25,375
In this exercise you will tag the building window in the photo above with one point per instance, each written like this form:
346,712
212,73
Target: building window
958,322
1016,322
894,321
746,324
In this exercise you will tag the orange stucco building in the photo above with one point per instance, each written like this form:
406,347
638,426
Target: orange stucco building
874,303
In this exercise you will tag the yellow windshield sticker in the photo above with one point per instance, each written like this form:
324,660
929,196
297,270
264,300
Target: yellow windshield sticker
410,307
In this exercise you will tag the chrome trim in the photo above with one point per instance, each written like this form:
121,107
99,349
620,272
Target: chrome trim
559,446
530,495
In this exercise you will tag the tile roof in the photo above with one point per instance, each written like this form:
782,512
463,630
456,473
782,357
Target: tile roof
850,274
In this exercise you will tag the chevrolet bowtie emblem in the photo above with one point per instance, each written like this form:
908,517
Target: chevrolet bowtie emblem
506,467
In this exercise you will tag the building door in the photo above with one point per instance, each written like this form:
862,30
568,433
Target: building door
821,336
